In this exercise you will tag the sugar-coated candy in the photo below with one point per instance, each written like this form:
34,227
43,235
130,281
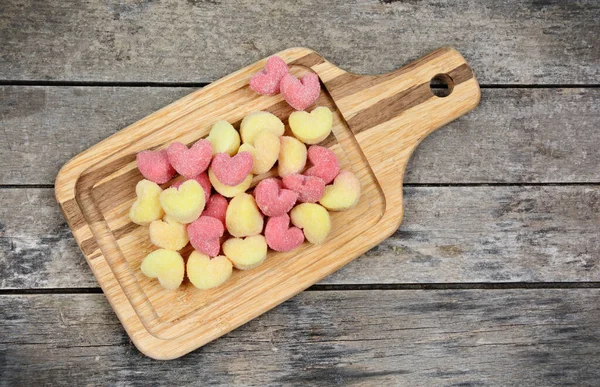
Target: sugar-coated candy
313,219
292,156
206,273
184,204
266,82
191,162
168,233
313,127
226,190
155,166
166,265
204,183
300,94
204,234
325,163
343,194
309,188
224,138
280,236
146,207
265,151
232,171
243,217
256,122
273,199
246,253
216,207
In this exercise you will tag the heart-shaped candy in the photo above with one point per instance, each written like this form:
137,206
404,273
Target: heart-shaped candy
204,183
267,81
309,188
184,204
246,253
228,191
216,207
343,194
313,219
325,163
292,156
190,163
224,138
313,127
168,233
273,199
232,171
166,265
155,166
264,152
204,234
280,236
146,207
300,94
207,273
256,122
243,217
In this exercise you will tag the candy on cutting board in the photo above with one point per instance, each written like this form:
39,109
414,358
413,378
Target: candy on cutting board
280,236
273,199
343,194
204,234
216,207
206,273
226,190
232,171
243,217
168,233
246,253
313,219
292,156
313,127
166,265
324,163
204,182
184,204
300,94
256,122
309,188
155,166
191,162
224,138
266,82
265,151
146,207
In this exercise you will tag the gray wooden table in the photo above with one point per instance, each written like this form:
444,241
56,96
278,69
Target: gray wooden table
493,278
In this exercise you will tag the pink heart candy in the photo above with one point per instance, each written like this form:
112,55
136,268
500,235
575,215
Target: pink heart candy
216,207
300,94
272,199
155,166
309,188
325,163
280,236
190,163
204,182
204,234
232,170
267,81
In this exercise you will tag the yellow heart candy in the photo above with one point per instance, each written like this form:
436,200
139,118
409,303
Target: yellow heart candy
227,190
255,122
264,152
168,233
184,204
224,138
166,265
343,194
292,156
246,253
243,217
207,273
146,207
313,127
313,219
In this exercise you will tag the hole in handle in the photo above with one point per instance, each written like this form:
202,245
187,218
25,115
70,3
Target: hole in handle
441,85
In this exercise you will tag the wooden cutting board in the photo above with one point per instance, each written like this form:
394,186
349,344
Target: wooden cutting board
378,122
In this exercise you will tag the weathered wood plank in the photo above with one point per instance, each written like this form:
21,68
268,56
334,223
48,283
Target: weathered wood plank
515,135
467,337
449,234
198,41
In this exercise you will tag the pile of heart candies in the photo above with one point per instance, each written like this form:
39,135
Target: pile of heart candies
227,228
